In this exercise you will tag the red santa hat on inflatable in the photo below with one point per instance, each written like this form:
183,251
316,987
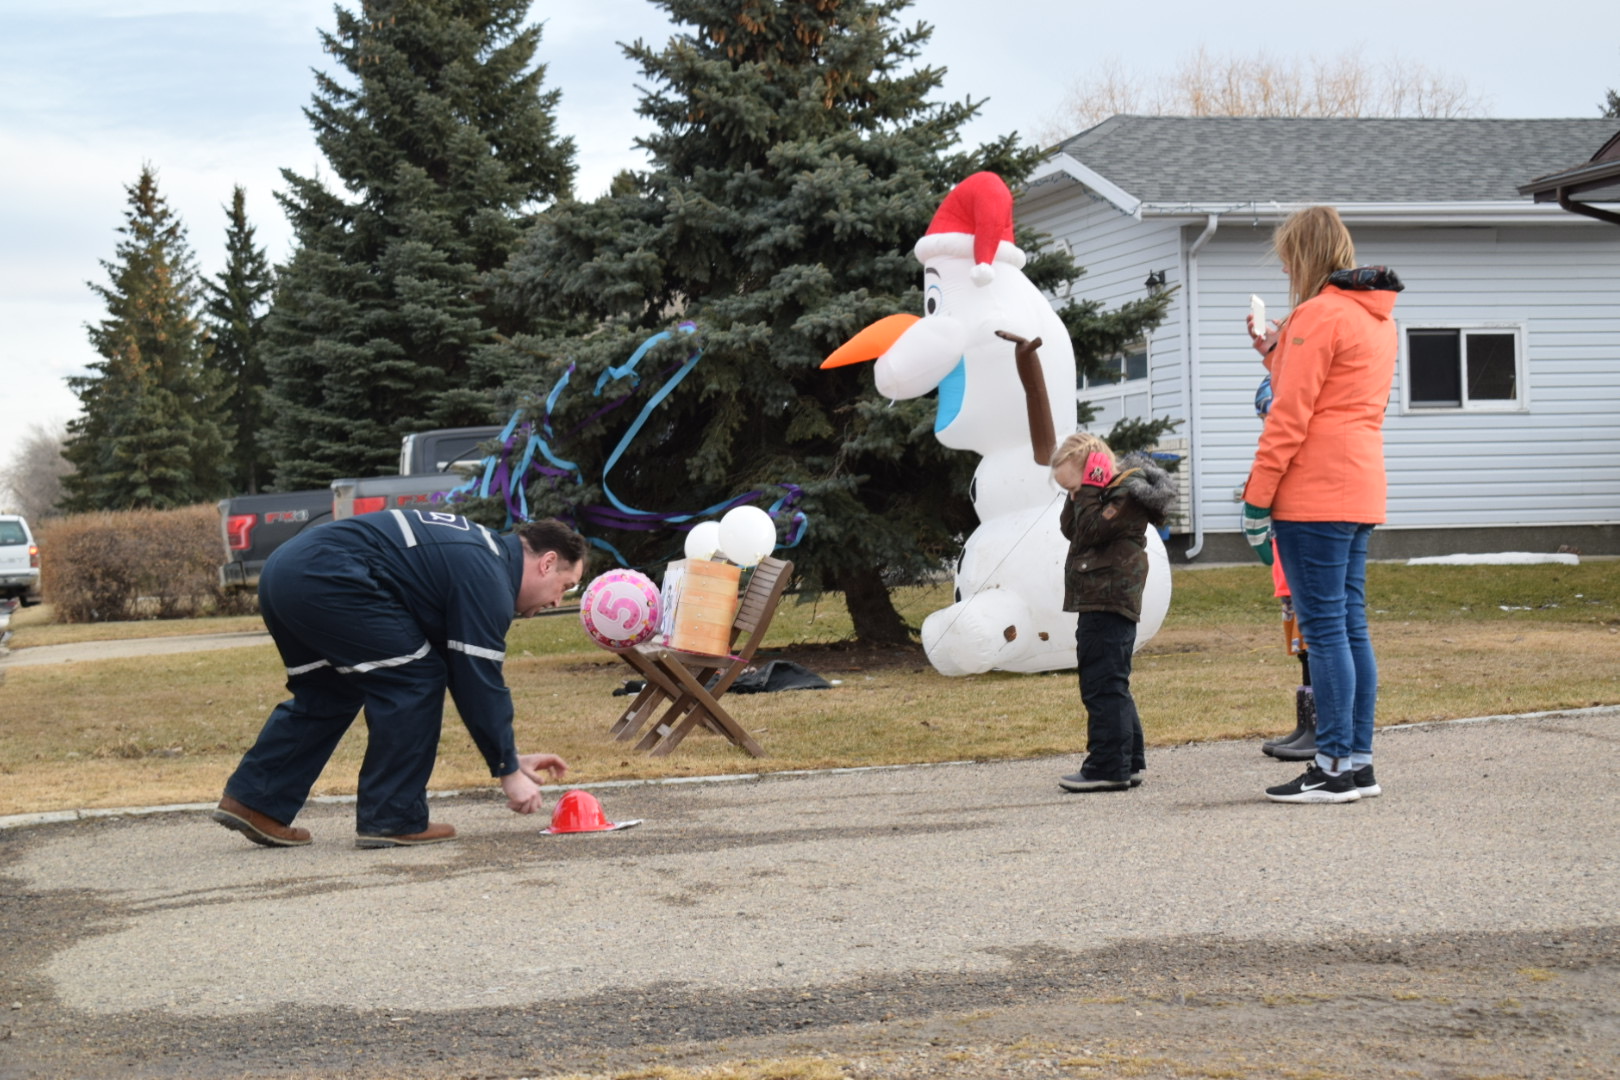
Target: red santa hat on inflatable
975,221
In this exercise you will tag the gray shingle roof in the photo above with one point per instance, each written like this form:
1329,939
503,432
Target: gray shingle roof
1175,159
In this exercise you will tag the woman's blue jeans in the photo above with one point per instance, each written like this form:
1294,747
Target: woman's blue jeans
1326,566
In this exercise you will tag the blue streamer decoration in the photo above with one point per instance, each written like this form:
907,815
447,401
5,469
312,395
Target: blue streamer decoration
500,477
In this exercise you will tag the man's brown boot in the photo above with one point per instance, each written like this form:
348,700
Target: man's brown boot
433,834
256,826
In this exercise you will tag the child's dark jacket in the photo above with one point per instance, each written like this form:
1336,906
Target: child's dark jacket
1106,528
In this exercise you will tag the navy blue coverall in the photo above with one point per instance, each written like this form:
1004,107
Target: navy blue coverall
384,611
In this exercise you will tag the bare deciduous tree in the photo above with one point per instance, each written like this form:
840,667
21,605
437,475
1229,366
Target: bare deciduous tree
33,477
1345,85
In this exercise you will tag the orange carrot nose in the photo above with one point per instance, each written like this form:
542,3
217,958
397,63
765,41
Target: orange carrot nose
870,343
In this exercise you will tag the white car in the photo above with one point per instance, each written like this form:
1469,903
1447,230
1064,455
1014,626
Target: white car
19,561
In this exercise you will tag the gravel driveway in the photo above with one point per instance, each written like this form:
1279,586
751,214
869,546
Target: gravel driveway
961,920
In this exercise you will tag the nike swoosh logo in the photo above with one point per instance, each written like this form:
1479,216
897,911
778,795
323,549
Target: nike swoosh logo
1312,787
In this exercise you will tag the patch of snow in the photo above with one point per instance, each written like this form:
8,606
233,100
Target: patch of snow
1499,558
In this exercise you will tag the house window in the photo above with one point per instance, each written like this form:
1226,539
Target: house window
1127,365
1464,368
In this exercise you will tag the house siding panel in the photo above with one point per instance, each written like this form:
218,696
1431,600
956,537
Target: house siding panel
1117,253
1555,462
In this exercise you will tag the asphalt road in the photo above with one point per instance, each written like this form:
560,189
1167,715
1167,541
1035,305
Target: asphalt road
802,888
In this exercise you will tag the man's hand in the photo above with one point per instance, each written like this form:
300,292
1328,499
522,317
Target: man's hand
522,794
533,766
1257,530
523,787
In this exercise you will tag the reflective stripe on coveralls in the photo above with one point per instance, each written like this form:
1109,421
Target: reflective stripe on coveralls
395,661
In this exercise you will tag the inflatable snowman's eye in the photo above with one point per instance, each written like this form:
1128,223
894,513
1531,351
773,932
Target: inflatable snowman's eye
932,299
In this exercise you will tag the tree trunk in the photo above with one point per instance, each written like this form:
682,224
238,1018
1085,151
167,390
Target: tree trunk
876,621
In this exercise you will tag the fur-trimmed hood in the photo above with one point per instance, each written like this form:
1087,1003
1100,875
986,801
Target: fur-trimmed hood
1149,485
1367,278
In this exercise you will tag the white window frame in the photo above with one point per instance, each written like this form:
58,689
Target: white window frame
1521,368
1105,390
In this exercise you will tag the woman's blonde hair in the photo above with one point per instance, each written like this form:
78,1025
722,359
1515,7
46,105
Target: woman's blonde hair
1312,243
1082,444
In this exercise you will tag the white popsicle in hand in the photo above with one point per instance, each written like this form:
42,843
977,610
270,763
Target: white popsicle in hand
1257,316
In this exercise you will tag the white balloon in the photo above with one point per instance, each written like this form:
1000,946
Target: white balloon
747,535
703,540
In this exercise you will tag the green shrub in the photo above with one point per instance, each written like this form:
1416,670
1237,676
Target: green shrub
136,564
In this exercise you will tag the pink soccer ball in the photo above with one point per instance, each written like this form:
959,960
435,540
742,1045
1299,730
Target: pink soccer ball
620,609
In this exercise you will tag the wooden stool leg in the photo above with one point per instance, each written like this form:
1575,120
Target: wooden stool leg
670,737
676,712
704,706
656,687
626,726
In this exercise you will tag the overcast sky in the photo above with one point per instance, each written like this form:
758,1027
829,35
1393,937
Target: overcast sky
210,92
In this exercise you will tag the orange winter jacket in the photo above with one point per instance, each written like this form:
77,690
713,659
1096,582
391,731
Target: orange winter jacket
1321,455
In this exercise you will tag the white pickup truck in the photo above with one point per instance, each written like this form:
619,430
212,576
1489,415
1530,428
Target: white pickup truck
19,561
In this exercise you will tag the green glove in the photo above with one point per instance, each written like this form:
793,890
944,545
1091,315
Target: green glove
1257,530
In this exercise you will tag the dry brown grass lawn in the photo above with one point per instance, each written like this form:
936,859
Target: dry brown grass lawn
169,729
37,626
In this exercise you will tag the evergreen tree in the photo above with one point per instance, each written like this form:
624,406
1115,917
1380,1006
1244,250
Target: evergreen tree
796,159
1611,107
1099,337
153,430
235,311
442,143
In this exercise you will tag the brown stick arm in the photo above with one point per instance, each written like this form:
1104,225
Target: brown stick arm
1042,437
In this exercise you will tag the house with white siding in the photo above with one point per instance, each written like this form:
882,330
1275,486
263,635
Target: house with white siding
1503,426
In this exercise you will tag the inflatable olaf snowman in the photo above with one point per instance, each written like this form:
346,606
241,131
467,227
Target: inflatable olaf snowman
1008,613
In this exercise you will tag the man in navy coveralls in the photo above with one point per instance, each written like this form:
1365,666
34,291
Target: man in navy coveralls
387,611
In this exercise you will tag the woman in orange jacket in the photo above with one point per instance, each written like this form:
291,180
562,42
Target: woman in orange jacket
1318,482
